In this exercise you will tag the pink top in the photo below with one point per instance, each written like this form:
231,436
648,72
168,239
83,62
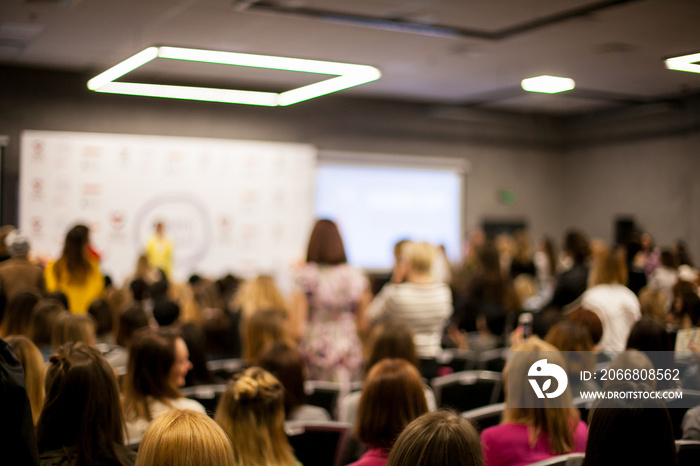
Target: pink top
373,457
508,445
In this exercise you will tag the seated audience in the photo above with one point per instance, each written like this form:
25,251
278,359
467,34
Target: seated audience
185,438
251,412
158,364
33,364
630,431
44,316
422,303
81,423
615,304
18,314
71,328
441,438
531,431
285,363
18,273
392,397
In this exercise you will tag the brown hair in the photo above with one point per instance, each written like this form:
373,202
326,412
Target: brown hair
575,341
132,319
590,320
263,329
440,438
33,364
391,338
559,419
44,317
392,397
285,363
82,405
18,314
326,244
251,412
609,267
151,358
73,261
70,328
185,438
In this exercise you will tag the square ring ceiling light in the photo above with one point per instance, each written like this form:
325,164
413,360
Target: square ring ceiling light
346,75
687,63
547,84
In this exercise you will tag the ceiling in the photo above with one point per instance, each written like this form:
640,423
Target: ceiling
444,52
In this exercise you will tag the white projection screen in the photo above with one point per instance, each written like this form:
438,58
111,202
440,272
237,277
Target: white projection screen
243,207
391,198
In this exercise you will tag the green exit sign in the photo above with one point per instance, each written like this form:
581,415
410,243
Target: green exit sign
507,197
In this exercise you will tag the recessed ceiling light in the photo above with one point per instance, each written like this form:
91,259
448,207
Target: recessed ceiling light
547,84
687,63
345,75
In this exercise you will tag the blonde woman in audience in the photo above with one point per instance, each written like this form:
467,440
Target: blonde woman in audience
420,302
71,328
531,431
158,364
81,423
615,304
251,412
77,272
327,306
652,303
185,438
441,438
33,364
392,397
264,328
255,295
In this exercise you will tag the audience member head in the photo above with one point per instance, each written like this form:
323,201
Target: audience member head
392,396
652,302
681,252
184,438
523,248
74,261
166,313
630,360
17,244
326,245
259,293
193,334
158,364
44,317
286,364
391,338
82,406
688,309
60,297
33,364
668,259
159,290
557,417
419,258
264,328
630,431
72,328
101,314
440,438
648,334
5,230
574,340
139,290
398,250
609,268
132,319
591,321
18,314
577,246
546,245
251,412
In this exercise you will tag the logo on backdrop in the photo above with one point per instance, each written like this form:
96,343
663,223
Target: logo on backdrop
542,369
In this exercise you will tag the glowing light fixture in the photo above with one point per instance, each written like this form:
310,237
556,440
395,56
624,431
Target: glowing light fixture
547,84
687,63
345,75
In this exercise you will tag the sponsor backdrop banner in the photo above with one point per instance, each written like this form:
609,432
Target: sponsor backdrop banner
244,207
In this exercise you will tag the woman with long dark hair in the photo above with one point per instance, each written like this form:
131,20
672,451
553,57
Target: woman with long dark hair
76,273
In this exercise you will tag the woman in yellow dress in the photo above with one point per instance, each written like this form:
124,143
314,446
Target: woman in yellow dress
76,273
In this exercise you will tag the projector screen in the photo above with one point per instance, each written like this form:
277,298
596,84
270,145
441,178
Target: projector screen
377,206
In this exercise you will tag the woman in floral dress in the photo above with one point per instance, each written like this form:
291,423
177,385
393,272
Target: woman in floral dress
329,301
